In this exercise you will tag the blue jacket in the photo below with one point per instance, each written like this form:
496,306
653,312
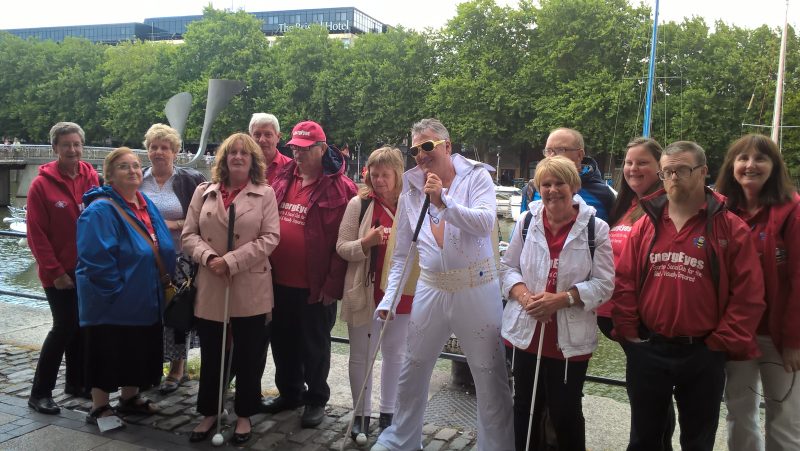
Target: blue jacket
117,278
594,190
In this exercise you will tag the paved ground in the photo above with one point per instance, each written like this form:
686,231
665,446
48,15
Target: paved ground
450,418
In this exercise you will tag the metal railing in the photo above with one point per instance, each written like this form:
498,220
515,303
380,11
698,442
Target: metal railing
41,153
460,358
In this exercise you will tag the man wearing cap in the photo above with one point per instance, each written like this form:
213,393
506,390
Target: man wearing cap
312,193
266,131
594,190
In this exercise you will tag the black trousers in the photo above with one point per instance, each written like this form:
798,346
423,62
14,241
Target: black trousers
248,341
301,346
64,338
697,377
561,400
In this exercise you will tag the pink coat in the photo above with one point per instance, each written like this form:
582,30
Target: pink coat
256,234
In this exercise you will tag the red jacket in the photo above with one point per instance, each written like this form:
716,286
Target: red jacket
326,206
740,289
783,285
54,204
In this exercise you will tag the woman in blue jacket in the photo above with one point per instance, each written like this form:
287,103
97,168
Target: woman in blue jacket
120,293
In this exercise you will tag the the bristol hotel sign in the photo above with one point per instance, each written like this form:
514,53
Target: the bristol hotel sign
333,27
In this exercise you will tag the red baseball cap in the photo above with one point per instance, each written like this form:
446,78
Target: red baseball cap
307,134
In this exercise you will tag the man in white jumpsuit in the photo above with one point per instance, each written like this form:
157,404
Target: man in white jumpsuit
457,292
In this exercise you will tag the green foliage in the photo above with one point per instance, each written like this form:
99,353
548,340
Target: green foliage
496,76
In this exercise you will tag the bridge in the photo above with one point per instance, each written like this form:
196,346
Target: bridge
20,163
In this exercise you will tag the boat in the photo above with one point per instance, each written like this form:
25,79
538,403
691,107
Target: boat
16,222
506,198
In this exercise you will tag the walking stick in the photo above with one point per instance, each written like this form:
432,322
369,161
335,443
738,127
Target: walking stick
361,438
385,324
535,383
223,383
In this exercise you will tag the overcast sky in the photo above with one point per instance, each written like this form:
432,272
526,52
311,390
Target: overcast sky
409,13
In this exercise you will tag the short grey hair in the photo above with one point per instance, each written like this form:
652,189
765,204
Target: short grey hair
260,119
687,146
576,135
65,128
430,124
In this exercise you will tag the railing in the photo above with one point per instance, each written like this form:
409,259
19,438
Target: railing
460,358
40,153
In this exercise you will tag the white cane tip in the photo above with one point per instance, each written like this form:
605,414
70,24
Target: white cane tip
361,439
217,440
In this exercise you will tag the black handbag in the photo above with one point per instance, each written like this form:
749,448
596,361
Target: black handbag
179,313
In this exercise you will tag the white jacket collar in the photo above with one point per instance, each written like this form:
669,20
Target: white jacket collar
416,177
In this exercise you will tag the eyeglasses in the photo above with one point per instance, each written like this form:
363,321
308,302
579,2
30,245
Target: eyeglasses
550,151
128,166
682,172
427,146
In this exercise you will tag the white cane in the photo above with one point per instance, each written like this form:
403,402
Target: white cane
385,324
535,383
361,438
223,383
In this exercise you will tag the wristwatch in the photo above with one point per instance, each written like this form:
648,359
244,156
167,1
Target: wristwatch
570,299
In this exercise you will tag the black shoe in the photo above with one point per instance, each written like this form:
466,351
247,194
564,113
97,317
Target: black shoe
45,405
240,438
385,420
312,416
278,404
199,436
80,392
357,427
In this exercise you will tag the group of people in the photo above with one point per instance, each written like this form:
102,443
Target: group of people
665,266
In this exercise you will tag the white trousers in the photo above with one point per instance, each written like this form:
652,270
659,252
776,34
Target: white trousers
474,316
745,382
363,342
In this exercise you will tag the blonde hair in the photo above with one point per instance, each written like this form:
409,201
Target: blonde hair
220,172
390,157
559,167
162,132
111,158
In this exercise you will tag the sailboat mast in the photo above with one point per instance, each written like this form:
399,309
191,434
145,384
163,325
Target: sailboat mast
778,112
650,75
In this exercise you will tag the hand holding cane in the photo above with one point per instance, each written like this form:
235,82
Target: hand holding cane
395,298
223,383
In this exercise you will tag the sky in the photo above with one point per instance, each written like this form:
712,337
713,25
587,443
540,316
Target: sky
417,14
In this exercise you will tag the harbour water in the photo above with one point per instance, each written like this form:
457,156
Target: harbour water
18,275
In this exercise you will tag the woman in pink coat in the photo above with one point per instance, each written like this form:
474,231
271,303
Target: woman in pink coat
237,178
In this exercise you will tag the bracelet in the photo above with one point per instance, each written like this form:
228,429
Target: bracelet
570,299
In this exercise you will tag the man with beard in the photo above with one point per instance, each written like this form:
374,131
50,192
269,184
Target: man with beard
687,299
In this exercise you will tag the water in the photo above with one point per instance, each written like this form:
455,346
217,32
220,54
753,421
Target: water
18,272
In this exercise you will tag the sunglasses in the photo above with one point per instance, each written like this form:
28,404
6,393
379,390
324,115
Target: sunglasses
427,146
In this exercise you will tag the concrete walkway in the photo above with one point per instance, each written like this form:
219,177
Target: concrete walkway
449,418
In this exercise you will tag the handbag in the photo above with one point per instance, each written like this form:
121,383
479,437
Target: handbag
179,313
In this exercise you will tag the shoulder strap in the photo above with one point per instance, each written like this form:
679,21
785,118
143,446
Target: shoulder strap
364,204
590,231
526,225
147,238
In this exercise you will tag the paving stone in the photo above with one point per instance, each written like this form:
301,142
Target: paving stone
172,410
446,434
268,441
264,426
435,445
15,387
429,429
286,414
173,422
459,444
302,436
325,437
